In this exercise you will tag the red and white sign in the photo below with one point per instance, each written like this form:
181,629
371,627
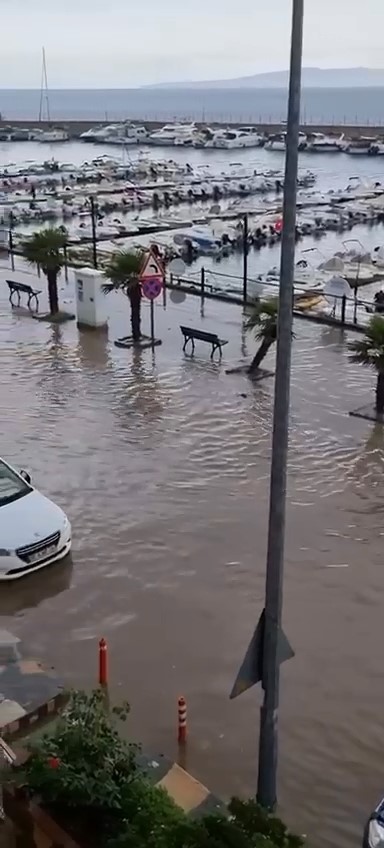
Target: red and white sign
152,276
152,267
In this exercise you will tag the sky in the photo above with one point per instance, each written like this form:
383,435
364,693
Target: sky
128,43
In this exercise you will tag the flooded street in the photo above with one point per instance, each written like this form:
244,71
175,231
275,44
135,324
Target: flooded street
162,465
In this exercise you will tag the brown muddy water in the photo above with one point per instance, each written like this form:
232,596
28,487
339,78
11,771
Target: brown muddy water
162,464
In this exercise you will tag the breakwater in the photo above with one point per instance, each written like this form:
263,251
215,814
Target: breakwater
75,128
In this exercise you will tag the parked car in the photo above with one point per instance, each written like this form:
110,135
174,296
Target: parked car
34,532
374,829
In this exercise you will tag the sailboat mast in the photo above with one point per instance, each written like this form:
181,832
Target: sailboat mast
44,94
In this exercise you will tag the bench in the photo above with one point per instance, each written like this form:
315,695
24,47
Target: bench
190,334
23,288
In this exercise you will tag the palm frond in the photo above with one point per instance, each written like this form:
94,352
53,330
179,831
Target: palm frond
122,271
45,248
369,351
262,318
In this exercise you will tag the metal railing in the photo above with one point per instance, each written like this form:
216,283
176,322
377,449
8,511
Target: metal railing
344,309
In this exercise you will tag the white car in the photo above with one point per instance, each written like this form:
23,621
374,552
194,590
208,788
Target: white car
34,532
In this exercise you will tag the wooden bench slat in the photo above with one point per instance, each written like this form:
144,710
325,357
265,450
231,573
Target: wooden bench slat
12,284
191,333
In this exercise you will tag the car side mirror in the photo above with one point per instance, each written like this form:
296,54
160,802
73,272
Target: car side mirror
26,476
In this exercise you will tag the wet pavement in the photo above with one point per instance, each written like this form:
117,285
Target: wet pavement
162,464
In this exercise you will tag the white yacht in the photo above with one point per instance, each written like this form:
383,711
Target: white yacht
320,143
129,134
252,133
360,146
275,142
122,133
53,135
91,134
168,134
278,142
101,133
232,140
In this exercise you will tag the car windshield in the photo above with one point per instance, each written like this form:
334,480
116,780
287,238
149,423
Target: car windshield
12,486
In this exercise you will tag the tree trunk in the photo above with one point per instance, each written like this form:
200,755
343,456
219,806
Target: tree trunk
380,393
260,355
52,292
135,301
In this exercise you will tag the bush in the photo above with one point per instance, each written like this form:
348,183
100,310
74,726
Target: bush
87,774
83,762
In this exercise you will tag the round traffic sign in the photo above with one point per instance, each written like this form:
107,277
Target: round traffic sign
151,287
177,296
177,267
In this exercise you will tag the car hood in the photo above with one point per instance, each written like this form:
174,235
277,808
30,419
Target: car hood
28,519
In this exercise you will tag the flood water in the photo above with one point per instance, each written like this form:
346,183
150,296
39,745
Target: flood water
162,464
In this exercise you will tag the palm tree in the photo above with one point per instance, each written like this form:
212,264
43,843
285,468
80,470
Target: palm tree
123,271
263,320
46,249
369,351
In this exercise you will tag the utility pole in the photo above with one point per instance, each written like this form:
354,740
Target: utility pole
268,742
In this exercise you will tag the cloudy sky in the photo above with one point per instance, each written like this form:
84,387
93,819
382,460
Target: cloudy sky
126,43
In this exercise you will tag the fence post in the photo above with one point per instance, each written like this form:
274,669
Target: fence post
65,263
202,279
11,250
343,306
355,307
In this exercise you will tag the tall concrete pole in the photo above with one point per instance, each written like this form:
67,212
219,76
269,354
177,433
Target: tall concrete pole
268,743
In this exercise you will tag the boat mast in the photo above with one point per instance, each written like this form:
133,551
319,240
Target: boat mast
44,95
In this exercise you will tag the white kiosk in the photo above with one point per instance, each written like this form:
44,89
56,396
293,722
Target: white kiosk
5,224
90,299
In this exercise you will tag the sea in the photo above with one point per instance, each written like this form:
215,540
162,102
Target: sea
350,106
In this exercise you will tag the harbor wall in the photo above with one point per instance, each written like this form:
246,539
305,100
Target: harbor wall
75,128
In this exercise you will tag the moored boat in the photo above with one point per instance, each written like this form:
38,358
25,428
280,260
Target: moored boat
54,135
321,143
360,146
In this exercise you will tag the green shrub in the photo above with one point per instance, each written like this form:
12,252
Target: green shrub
83,762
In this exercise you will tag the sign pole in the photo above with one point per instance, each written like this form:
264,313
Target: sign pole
152,315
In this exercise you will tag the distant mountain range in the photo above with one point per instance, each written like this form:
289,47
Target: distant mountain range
311,78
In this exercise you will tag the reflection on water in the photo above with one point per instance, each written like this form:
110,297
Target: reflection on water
162,463
36,588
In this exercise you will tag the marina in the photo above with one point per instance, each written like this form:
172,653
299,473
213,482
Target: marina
194,207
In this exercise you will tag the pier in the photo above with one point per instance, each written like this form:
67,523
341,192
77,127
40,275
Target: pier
74,128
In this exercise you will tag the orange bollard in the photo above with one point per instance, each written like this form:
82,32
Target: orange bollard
103,663
182,721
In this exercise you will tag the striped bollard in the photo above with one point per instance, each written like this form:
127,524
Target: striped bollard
182,721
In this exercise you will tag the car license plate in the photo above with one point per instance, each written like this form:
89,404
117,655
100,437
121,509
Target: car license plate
42,554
